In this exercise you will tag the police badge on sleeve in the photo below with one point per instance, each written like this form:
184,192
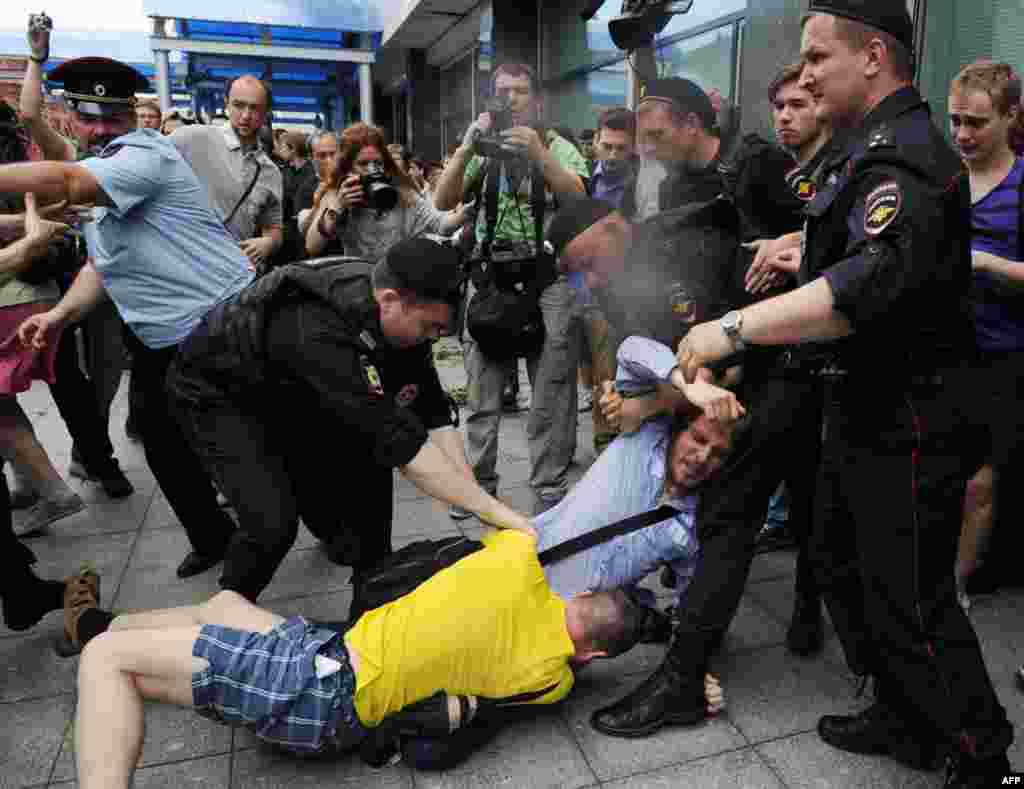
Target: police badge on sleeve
373,382
882,207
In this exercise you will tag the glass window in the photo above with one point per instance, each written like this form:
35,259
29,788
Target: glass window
578,102
702,13
457,88
706,59
957,34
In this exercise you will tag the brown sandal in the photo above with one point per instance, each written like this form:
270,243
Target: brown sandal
81,592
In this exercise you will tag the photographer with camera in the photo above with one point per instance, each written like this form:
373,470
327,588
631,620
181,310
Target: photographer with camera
366,204
517,166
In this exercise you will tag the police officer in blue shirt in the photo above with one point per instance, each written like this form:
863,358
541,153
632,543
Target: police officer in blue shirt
885,274
163,257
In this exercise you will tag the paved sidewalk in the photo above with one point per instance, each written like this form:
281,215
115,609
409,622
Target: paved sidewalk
765,739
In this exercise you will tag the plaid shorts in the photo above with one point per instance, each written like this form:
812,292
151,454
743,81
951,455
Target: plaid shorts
268,683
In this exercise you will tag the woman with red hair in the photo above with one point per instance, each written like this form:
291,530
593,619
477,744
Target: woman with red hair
343,219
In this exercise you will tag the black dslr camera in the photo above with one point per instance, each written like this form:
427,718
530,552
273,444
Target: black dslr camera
380,192
491,144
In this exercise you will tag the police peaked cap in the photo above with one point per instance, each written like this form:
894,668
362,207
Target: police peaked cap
889,16
99,86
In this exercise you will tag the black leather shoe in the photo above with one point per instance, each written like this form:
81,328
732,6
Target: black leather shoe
665,698
1019,673
654,626
113,481
806,633
195,563
879,730
967,773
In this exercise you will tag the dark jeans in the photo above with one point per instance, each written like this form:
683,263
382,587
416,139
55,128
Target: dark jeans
78,404
894,468
272,473
174,463
782,444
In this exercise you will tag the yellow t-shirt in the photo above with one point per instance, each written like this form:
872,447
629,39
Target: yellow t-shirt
489,625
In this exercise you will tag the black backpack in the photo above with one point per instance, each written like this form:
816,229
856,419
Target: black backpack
407,568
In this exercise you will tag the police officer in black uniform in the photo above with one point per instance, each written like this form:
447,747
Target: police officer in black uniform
327,366
886,268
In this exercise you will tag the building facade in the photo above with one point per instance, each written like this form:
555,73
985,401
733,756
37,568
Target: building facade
435,63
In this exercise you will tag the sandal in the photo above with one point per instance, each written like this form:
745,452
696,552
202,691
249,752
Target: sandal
81,592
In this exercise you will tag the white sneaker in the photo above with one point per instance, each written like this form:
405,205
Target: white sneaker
585,398
47,511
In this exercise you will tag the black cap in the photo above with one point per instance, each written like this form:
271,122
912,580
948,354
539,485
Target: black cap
576,213
889,16
99,86
430,269
686,95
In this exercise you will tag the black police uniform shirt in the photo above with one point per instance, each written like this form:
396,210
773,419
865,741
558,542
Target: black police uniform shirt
889,230
312,352
678,268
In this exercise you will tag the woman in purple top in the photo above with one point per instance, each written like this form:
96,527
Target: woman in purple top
986,117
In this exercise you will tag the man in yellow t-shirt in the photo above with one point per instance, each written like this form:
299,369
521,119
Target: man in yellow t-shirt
486,628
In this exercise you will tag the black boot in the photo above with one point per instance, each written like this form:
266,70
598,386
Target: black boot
880,730
967,773
806,633
667,697
27,598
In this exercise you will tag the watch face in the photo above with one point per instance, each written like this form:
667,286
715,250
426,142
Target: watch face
685,303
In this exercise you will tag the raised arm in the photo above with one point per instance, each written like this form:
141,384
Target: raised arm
30,106
53,182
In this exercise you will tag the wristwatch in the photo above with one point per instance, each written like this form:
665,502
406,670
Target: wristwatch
732,325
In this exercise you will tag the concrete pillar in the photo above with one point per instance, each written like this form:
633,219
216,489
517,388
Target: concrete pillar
424,99
163,78
365,93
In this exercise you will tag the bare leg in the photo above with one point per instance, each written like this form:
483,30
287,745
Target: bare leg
226,608
115,670
978,510
144,656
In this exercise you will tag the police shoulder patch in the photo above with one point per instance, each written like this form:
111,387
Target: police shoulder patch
407,395
805,188
882,207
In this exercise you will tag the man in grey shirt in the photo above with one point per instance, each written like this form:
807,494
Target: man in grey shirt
227,159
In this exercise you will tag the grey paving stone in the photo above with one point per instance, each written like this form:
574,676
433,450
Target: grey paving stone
776,564
613,757
106,515
422,516
306,572
772,694
59,556
173,734
805,761
30,669
260,768
326,607
753,627
150,580
737,770
160,513
30,739
539,753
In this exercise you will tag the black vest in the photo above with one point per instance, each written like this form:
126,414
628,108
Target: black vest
226,355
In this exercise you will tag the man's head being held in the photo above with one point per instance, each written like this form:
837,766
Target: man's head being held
418,287
698,449
600,625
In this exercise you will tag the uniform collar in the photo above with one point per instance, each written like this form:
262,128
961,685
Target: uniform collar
893,106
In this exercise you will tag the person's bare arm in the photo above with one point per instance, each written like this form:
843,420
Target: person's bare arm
53,182
448,193
449,439
30,105
1009,272
84,294
433,472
